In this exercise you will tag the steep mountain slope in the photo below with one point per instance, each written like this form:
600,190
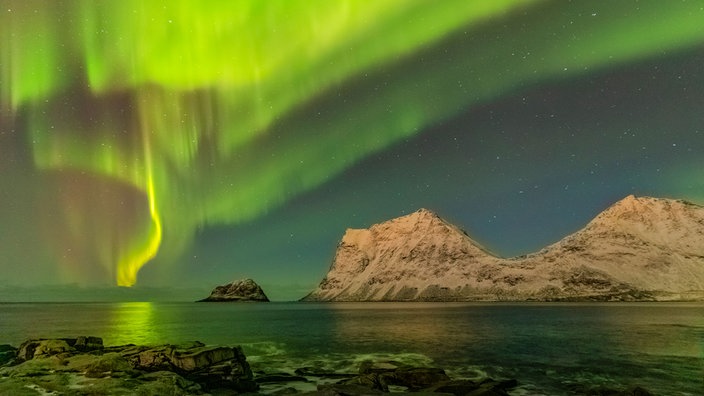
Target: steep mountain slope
638,249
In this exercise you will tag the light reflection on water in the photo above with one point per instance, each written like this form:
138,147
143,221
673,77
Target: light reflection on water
547,346
385,324
134,323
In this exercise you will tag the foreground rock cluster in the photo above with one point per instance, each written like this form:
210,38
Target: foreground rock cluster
83,366
378,378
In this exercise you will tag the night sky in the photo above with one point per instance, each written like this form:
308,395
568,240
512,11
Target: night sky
190,143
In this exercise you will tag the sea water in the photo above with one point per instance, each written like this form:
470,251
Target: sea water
550,349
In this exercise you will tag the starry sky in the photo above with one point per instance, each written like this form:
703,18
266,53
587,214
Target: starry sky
165,144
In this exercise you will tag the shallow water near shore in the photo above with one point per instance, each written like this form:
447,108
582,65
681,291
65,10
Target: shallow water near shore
550,349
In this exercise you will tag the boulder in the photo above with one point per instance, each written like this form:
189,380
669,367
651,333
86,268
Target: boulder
31,349
150,359
88,343
230,374
417,378
212,367
381,374
36,348
202,357
373,381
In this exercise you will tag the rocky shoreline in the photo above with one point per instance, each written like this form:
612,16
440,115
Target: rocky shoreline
84,366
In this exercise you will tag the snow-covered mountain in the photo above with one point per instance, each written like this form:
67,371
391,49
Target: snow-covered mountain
638,249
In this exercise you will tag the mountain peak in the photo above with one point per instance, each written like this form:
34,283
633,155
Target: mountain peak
421,214
638,248
631,199
629,204
646,210
424,211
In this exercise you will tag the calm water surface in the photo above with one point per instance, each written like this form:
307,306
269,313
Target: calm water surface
549,348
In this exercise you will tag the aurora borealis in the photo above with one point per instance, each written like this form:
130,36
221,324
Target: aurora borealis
197,141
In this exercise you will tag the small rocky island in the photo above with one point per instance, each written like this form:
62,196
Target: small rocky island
239,290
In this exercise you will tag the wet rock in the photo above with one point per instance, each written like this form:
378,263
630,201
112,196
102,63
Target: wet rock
455,387
7,354
491,387
230,374
346,390
101,366
212,367
417,378
385,376
637,391
487,387
374,381
31,349
285,391
37,348
199,358
87,343
382,366
171,380
279,377
150,359
382,374
487,391
312,372
583,389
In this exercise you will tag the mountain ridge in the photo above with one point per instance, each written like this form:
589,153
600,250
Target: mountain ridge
639,248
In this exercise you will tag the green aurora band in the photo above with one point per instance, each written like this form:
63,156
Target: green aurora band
212,112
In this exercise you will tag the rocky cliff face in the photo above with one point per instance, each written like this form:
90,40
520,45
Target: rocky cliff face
638,249
240,290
